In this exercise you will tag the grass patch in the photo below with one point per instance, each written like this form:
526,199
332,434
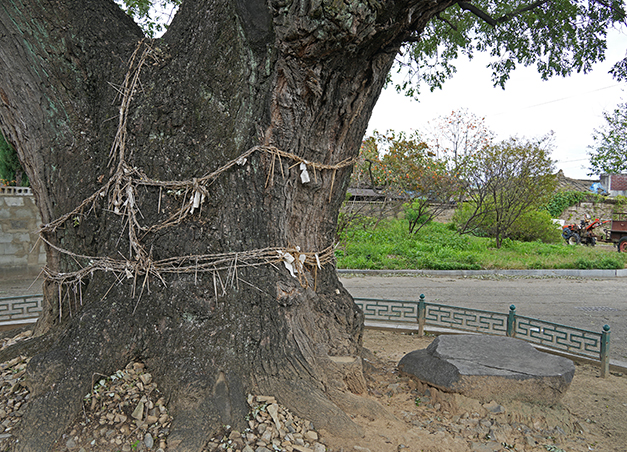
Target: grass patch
438,247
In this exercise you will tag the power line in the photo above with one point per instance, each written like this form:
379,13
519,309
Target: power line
556,100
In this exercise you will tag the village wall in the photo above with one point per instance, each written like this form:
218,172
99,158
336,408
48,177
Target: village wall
20,249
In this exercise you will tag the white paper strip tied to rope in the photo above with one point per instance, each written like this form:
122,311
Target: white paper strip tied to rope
304,175
293,261
198,197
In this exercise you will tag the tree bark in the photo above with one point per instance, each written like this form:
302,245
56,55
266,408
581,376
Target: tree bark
293,81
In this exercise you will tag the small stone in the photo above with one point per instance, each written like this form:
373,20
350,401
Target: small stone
317,447
267,436
303,448
311,435
494,407
262,449
273,410
138,413
145,378
152,419
148,441
247,448
71,444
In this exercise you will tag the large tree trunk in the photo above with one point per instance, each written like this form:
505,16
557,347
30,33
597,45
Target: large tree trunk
289,82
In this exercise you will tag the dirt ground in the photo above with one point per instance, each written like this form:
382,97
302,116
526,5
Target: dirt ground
591,416
397,414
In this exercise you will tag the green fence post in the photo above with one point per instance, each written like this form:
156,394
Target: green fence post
421,315
511,321
605,351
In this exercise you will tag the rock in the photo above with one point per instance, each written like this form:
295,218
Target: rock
490,368
148,441
301,448
145,378
138,413
273,410
71,444
151,419
311,435
494,407
489,447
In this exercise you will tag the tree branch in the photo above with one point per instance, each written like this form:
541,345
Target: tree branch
453,26
466,6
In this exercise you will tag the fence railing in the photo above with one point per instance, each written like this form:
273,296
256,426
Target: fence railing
22,309
571,340
553,336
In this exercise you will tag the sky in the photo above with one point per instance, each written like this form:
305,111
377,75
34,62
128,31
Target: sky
529,107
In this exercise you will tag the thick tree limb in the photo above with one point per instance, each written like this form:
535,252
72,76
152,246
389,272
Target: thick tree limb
467,6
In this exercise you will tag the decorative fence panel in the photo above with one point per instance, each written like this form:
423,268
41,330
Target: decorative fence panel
561,338
14,309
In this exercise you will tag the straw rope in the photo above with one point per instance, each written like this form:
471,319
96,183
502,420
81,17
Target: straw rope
120,191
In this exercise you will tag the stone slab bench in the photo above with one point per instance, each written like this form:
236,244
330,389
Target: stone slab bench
490,368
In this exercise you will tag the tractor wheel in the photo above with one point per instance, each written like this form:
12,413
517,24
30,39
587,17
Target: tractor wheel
622,245
589,241
574,239
566,233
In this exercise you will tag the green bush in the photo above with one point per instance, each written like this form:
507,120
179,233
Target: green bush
463,213
562,200
536,226
11,172
413,212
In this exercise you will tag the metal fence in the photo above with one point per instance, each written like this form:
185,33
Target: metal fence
24,309
553,336
418,314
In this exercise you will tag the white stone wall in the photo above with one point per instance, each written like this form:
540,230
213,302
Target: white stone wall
19,222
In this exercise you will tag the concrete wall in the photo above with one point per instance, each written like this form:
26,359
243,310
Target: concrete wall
19,221
614,184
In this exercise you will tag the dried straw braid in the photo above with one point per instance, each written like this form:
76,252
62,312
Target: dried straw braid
121,189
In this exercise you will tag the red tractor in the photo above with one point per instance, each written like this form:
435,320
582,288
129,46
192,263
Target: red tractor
583,232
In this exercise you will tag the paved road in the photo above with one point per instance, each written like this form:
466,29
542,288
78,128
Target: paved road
581,302
587,303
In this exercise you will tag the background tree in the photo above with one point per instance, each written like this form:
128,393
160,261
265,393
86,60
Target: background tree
458,136
505,181
405,168
11,172
197,163
608,154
